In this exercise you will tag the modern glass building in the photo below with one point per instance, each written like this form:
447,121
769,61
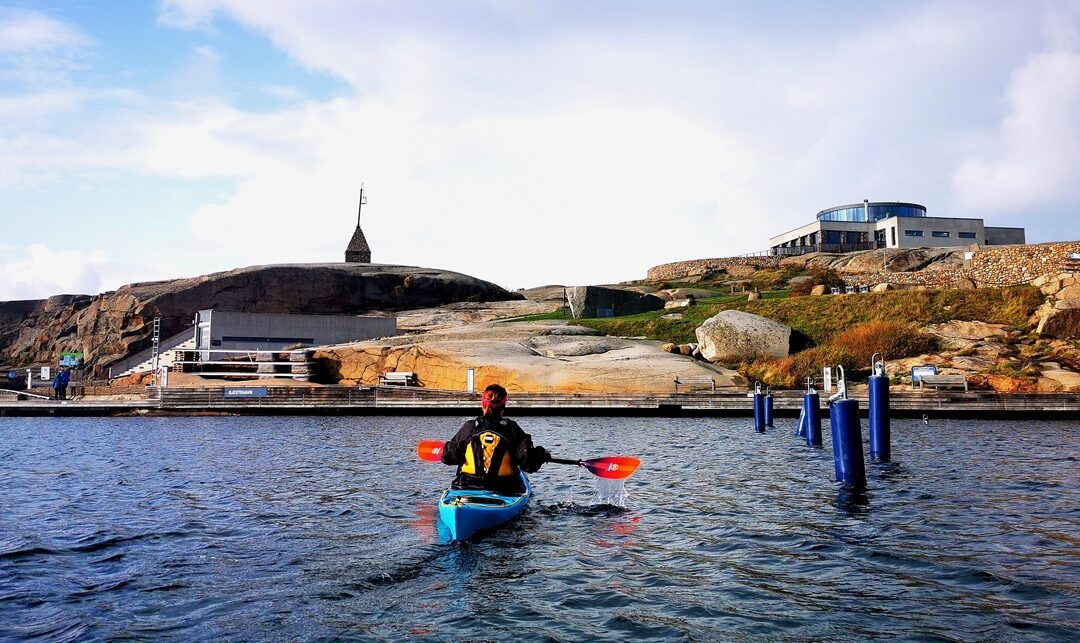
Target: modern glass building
887,224
867,212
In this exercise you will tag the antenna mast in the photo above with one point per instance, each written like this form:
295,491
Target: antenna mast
360,207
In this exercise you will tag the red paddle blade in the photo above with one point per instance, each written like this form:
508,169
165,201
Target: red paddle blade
615,467
430,450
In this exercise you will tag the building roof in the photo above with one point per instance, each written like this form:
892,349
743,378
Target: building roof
359,242
871,204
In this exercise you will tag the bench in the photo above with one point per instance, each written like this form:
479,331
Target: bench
403,378
943,381
695,380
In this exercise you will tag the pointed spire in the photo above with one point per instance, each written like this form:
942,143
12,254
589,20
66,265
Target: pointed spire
358,250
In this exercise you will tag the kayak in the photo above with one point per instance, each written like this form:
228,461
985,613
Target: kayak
467,511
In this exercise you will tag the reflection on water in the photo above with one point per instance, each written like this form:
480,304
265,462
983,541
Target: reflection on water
307,528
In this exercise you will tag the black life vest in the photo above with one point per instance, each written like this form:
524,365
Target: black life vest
487,455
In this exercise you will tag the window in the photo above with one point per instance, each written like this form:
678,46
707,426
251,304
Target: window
966,235
913,233
893,235
940,233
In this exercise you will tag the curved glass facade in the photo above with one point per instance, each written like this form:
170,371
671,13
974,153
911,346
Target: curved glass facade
876,212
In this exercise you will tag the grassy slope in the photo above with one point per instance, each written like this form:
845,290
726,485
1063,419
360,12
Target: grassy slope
821,318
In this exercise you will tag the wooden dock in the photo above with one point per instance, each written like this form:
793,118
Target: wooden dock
389,400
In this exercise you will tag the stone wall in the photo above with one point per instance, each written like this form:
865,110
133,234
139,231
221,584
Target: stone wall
695,267
989,267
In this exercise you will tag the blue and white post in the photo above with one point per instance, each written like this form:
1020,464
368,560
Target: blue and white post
880,435
812,415
800,428
759,409
846,436
768,407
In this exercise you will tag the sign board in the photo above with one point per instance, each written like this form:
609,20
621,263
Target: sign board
71,359
826,378
918,371
46,373
258,391
968,256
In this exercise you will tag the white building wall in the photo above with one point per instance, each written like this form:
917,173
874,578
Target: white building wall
932,232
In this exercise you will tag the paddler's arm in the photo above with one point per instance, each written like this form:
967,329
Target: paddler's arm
530,458
454,450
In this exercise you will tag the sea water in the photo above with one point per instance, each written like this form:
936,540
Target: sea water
303,528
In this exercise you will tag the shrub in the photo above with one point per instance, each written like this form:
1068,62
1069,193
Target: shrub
894,340
802,288
792,371
827,277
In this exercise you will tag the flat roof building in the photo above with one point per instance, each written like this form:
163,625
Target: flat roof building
888,224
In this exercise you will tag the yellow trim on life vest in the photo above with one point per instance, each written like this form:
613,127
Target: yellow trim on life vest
469,465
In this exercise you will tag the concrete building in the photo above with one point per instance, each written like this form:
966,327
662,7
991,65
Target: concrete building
870,225
221,330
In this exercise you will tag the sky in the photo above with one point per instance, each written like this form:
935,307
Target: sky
522,142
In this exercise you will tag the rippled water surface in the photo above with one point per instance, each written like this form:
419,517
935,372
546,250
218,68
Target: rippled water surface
302,528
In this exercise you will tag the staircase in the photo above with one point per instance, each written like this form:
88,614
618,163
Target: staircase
1072,262
143,362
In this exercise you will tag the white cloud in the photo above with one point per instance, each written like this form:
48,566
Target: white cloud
1034,158
27,32
38,271
517,144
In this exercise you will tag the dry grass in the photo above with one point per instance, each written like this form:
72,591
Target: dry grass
851,349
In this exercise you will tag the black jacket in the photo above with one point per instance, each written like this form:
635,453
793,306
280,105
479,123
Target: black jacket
523,455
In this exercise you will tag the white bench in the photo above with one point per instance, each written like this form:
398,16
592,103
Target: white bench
395,378
695,380
943,381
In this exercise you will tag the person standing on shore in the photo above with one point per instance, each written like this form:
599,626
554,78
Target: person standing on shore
490,450
57,384
65,378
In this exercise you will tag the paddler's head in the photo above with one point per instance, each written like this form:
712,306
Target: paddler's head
493,401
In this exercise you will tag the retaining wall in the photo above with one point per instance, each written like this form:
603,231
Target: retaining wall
694,267
989,267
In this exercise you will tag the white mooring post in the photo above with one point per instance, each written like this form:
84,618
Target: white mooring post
470,380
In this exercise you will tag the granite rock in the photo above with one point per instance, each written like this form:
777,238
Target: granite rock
737,334
113,325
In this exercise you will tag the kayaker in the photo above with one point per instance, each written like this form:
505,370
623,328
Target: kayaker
491,449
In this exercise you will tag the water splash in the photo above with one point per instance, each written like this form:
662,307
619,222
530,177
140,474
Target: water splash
610,492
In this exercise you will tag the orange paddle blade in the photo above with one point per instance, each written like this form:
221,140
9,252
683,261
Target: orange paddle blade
430,450
615,467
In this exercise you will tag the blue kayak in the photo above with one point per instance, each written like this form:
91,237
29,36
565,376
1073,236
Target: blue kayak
467,511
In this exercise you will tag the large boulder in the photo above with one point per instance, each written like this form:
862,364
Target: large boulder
1062,321
738,334
598,301
113,325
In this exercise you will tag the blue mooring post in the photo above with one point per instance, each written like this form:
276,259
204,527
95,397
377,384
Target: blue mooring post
768,408
800,428
811,405
846,437
759,409
880,435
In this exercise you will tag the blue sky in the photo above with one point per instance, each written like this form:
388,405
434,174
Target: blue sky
522,142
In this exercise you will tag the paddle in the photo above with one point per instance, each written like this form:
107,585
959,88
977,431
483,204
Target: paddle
614,467
430,450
